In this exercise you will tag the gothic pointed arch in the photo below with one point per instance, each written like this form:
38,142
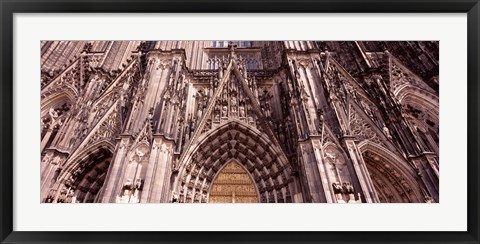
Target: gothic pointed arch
232,100
233,184
421,110
66,81
337,160
54,111
395,180
237,141
80,178
56,99
168,119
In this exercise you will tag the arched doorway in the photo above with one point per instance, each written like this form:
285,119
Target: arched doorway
234,141
394,180
82,181
233,184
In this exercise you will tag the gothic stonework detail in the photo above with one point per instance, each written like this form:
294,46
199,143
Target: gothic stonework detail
233,185
238,122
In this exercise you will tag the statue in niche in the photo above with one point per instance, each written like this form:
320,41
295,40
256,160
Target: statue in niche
220,74
281,132
175,197
233,104
217,115
267,107
289,128
242,111
170,80
54,113
175,165
337,190
197,197
199,111
100,82
386,131
428,199
348,188
179,84
187,132
224,110
250,118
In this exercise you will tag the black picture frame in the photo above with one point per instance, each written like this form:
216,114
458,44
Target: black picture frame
10,7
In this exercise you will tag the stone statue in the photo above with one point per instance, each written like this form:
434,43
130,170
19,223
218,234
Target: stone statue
175,197
348,188
170,80
386,131
224,111
199,112
233,104
337,189
242,111
217,115
175,165
54,113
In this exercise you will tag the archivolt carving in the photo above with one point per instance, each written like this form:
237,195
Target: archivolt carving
82,176
233,141
394,181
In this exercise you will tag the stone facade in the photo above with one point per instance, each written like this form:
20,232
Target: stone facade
241,121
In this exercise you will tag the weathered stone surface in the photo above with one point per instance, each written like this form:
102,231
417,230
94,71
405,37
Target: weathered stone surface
303,121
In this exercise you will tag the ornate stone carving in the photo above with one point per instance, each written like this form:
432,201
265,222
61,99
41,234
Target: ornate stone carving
362,130
234,185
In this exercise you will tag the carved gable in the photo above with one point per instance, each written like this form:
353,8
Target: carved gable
234,100
401,76
361,129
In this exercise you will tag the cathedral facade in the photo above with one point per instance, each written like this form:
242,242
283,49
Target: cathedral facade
239,122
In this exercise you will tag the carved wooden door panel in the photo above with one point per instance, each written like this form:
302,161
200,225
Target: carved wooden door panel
233,185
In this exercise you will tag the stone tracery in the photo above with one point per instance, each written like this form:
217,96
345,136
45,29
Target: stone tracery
173,114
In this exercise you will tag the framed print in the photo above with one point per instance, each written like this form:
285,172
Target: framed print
269,121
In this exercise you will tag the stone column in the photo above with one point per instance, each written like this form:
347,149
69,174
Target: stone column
160,173
428,172
46,138
151,168
322,168
50,164
361,171
112,182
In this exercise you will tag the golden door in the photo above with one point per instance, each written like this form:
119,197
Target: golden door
233,185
